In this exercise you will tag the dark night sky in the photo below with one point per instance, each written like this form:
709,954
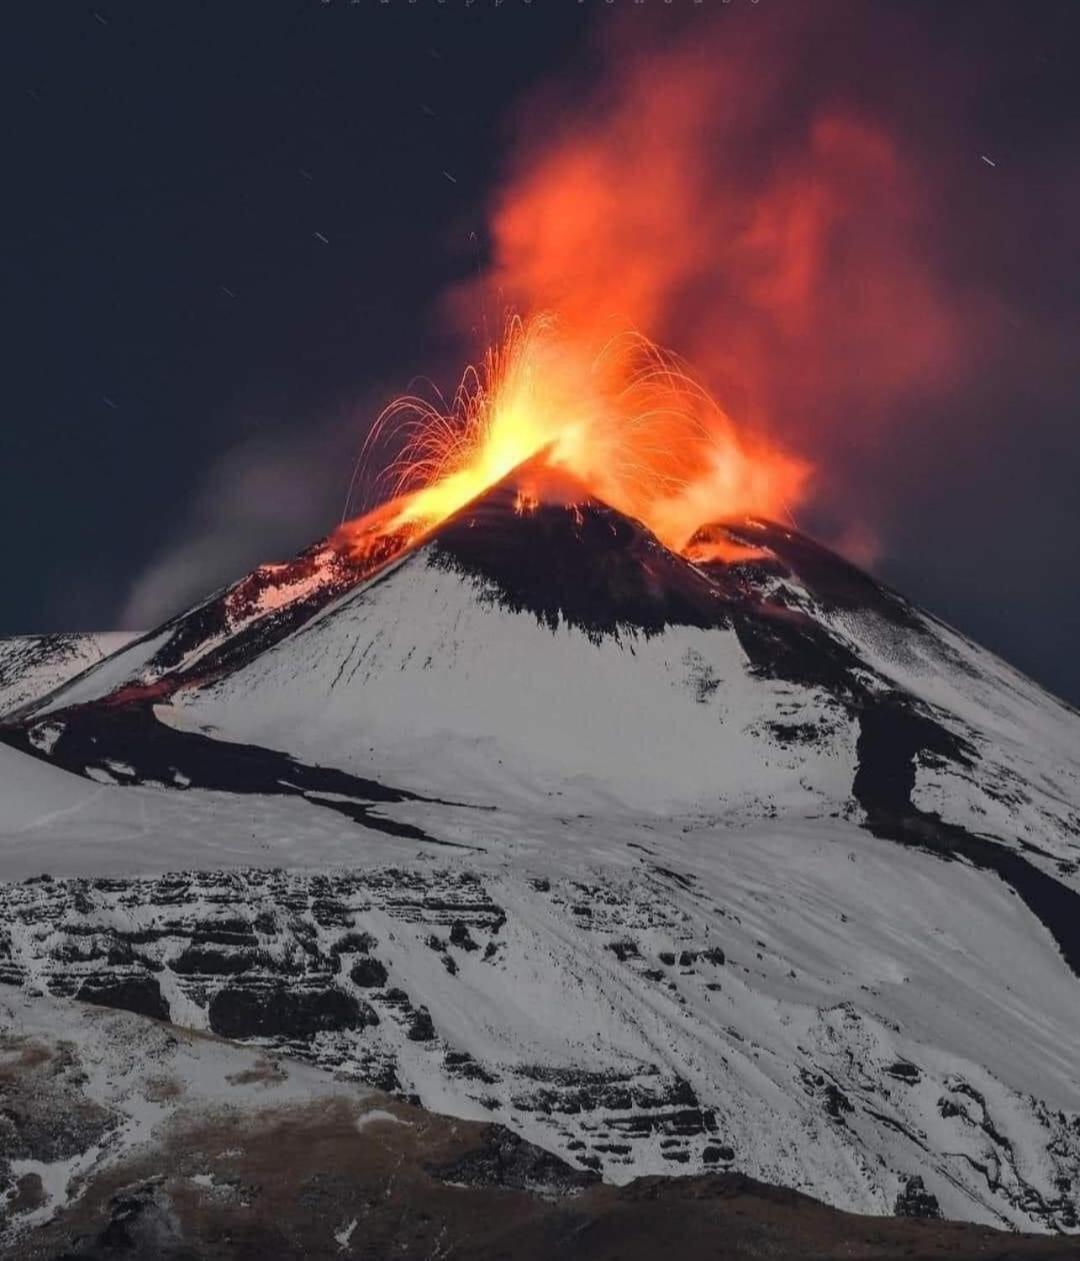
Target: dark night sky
190,369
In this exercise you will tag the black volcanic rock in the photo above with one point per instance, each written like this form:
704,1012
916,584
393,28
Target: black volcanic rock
915,1201
101,735
285,1013
140,994
207,960
504,1159
585,564
785,553
368,974
461,937
421,1028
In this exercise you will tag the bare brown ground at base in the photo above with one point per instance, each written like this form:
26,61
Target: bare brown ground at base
331,1180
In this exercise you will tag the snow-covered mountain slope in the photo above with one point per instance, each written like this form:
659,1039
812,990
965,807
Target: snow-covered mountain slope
665,865
230,626
32,665
806,1004
1026,741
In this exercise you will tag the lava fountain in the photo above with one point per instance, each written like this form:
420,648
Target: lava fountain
620,419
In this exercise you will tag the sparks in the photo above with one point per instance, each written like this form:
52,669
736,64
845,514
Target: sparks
623,421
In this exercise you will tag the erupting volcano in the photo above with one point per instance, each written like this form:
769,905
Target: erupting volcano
623,421
683,842
564,854
712,855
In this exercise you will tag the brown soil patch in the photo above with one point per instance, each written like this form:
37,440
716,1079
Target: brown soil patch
288,1183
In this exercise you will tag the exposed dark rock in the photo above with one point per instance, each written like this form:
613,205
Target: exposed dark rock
277,1011
224,932
208,916
683,1122
142,1223
119,954
461,937
591,568
28,1195
682,880
834,582
354,943
787,733
421,1028
915,1201
893,733
836,1102
462,1064
130,733
206,961
503,1159
368,974
140,994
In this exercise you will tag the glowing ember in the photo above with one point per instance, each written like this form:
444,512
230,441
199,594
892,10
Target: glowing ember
622,421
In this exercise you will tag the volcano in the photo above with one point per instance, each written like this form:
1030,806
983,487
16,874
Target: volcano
667,862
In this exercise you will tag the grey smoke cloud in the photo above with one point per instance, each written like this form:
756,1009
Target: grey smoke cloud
261,501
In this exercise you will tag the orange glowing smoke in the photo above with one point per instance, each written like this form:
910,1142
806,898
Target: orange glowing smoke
783,251
622,420
782,248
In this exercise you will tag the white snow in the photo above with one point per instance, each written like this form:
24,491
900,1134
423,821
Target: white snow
343,1235
124,666
424,677
377,1116
32,665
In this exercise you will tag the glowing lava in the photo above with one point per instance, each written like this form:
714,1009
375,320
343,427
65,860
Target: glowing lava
623,421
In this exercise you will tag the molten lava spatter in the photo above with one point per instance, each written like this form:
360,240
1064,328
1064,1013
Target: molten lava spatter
623,420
